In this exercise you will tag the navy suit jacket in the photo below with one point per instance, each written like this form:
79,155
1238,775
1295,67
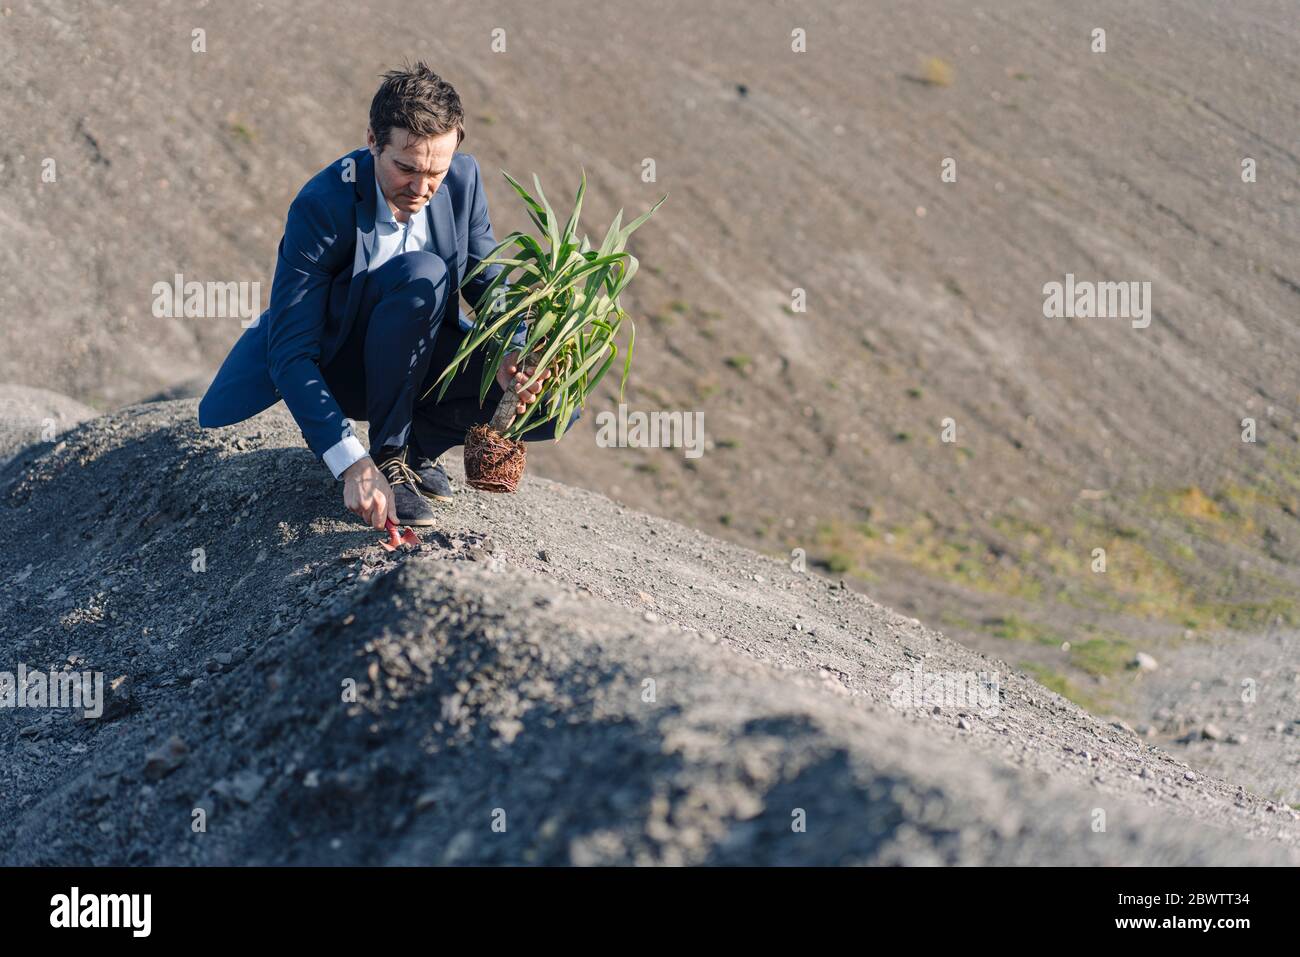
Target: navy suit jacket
319,274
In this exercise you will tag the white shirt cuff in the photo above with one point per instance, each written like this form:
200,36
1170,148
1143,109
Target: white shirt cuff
342,454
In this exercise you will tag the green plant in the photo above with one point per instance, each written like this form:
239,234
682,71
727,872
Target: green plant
567,293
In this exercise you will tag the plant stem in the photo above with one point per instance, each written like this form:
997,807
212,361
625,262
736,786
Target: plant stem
505,412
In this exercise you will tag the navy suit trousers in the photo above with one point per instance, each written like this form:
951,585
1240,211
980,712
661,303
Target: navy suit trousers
399,344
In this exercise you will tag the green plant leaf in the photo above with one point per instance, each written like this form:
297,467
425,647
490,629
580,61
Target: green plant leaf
567,294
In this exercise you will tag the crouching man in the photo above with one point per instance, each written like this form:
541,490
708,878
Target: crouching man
365,310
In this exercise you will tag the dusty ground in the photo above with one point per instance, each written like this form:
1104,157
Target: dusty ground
607,685
1231,707
29,416
817,171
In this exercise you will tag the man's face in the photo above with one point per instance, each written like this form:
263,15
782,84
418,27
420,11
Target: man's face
411,168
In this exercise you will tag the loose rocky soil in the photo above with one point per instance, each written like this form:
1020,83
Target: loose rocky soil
549,678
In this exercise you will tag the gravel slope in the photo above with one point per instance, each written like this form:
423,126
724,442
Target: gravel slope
29,415
818,171
1233,708
501,675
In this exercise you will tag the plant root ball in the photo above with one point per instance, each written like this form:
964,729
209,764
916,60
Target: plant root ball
493,463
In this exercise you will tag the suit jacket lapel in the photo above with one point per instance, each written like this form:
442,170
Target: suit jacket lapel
442,227
365,216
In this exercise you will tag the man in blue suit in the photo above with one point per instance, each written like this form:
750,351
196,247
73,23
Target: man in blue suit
365,308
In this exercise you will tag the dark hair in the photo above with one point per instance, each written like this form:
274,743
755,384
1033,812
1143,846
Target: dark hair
415,98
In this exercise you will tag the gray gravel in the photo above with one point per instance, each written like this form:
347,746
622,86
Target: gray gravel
1232,707
641,694
29,416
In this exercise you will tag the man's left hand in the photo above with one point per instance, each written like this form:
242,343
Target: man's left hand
512,375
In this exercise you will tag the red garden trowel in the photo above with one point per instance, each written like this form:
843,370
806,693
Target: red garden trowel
397,536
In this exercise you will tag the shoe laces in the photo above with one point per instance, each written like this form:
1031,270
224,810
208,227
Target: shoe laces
397,471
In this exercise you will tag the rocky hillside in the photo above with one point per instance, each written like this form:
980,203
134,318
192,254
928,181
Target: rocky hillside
813,285
549,677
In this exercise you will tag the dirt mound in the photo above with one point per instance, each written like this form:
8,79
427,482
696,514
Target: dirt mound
549,678
30,416
816,288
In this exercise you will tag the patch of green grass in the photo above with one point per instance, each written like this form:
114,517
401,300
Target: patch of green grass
1055,681
1014,628
1151,570
1101,656
836,562
1255,614
956,621
740,363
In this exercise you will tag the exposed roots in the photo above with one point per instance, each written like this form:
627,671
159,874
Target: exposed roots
493,463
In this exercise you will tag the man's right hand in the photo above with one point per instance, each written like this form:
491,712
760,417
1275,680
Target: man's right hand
367,493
